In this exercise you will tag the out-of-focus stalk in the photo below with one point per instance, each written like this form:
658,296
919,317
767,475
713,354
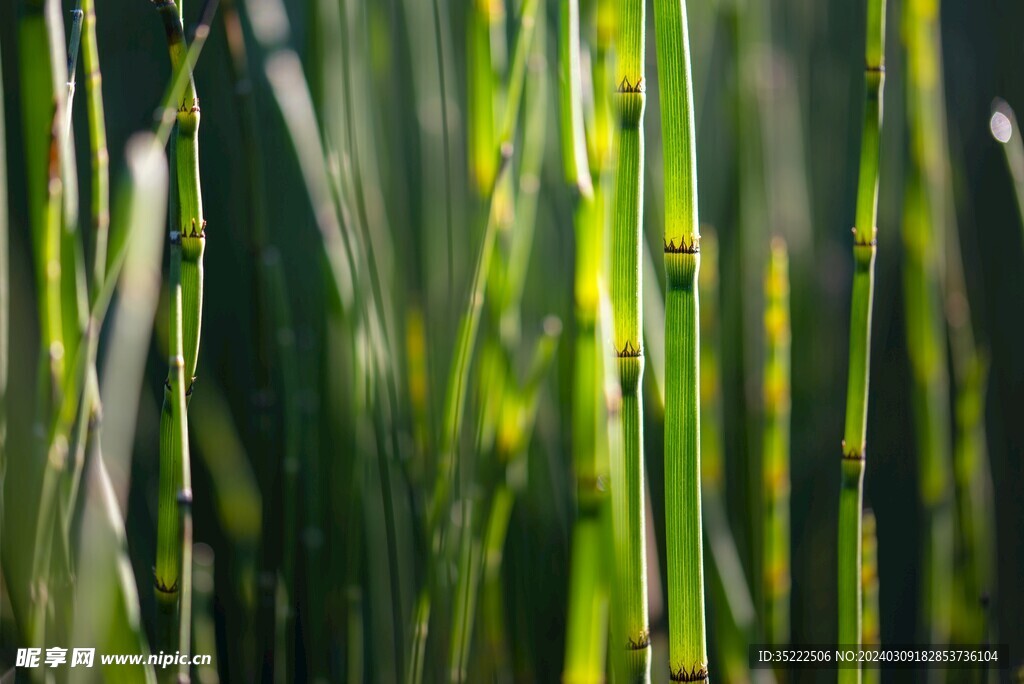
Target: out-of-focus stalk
924,228
871,624
775,446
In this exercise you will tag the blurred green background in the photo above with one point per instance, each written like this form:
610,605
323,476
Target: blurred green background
778,88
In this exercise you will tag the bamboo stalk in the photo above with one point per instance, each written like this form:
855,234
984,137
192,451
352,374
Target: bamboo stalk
855,433
733,619
483,165
42,33
100,160
870,625
630,630
775,444
586,630
574,149
924,226
188,240
688,660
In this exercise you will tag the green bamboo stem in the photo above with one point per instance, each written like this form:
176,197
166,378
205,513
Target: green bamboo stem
173,441
688,660
587,628
924,226
42,31
481,86
84,30
191,224
734,619
855,433
100,161
630,630
74,291
870,625
574,149
188,238
975,506
775,445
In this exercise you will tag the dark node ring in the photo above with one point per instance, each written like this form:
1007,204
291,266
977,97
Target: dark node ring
852,455
682,248
698,675
626,87
629,351
640,644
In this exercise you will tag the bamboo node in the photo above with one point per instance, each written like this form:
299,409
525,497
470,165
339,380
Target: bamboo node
185,497
859,241
697,674
163,588
852,454
640,643
629,351
626,87
683,248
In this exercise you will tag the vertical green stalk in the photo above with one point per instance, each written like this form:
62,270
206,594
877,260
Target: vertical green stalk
587,628
688,659
630,631
191,225
97,143
585,634
574,149
775,445
483,165
168,550
855,434
174,538
734,620
44,93
870,625
925,198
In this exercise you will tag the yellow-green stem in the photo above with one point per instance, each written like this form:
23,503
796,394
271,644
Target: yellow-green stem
775,464
855,434
630,630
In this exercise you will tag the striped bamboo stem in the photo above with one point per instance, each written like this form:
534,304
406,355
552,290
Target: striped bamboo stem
688,659
630,631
